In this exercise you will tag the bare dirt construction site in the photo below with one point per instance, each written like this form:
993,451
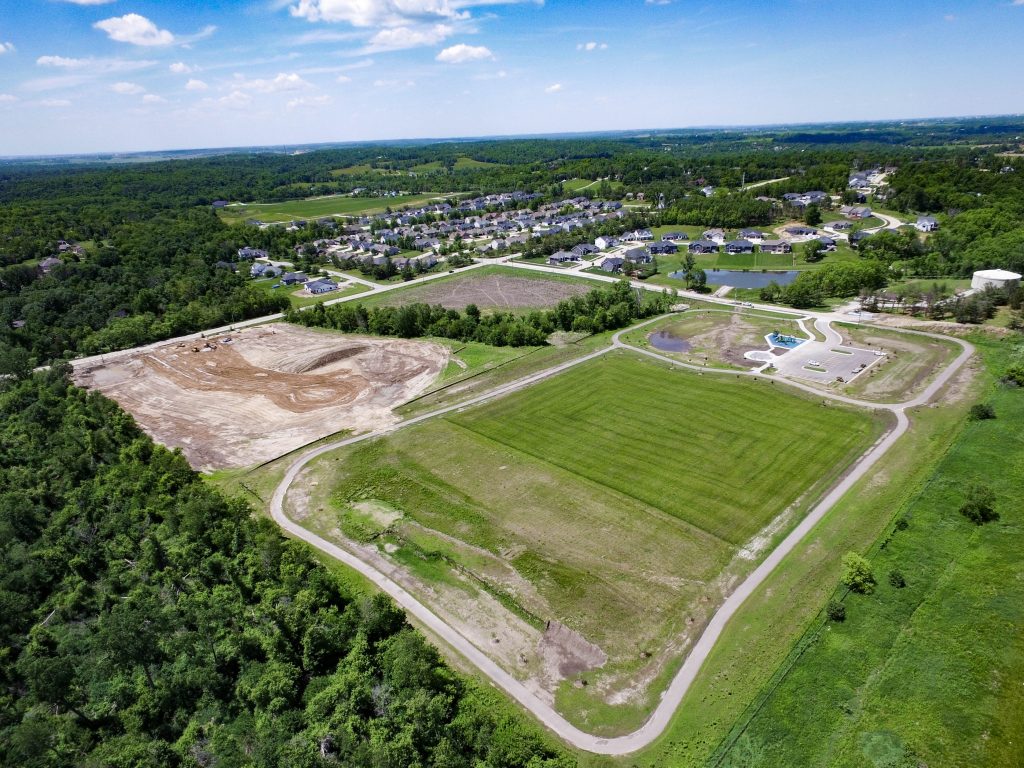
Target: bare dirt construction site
259,393
494,291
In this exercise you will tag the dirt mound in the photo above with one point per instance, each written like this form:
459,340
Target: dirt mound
326,359
269,390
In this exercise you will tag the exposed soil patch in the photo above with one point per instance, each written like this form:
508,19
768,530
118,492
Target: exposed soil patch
489,292
266,391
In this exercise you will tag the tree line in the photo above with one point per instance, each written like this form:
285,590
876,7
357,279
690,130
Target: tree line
599,310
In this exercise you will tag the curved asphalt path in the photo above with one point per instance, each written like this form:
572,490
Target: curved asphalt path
673,695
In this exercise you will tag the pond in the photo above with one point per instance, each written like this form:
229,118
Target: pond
666,342
739,278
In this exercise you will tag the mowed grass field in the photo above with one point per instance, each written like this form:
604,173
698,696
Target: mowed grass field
931,673
335,205
620,491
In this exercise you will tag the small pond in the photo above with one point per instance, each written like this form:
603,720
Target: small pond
739,278
666,342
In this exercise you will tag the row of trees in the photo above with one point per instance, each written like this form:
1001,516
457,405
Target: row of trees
841,279
599,310
149,621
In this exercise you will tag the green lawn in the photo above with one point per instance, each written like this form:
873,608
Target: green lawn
585,486
931,674
335,205
772,627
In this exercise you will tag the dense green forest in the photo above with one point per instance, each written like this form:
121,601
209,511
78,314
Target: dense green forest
148,621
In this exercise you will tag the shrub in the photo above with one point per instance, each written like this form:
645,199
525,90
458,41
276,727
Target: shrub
896,579
982,411
902,524
979,507
857,573
835,611
1014,376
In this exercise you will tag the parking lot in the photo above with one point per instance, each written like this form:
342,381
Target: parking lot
824,363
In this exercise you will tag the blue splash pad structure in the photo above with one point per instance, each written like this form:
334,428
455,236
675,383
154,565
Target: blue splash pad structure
781,340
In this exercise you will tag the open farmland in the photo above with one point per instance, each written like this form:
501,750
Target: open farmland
499,288
264,391
315,207
579,500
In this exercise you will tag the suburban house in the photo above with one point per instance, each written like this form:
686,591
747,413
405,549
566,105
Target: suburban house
585,249
604,242
926,224
561,257
857,237
324,285
293,278
828,242
639,236
798,231
838,226
703,246
751,234
665,246
251,253
612,263
675,236
716,234
638,256
776,246
264,270
855,211
739,246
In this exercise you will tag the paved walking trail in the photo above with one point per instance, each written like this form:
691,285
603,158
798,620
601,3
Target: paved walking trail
673,696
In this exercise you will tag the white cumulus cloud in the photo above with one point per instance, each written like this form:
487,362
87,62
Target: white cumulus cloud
180,68
591,46
461,53
127,89
195,85
55,103
309,102
6,47
554,88
282,82
378,13
152,98
343,79
235,100
400,38
135,29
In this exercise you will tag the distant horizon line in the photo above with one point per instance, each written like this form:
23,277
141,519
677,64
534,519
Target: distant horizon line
416,141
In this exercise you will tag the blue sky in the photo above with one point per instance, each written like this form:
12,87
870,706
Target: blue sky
126,75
